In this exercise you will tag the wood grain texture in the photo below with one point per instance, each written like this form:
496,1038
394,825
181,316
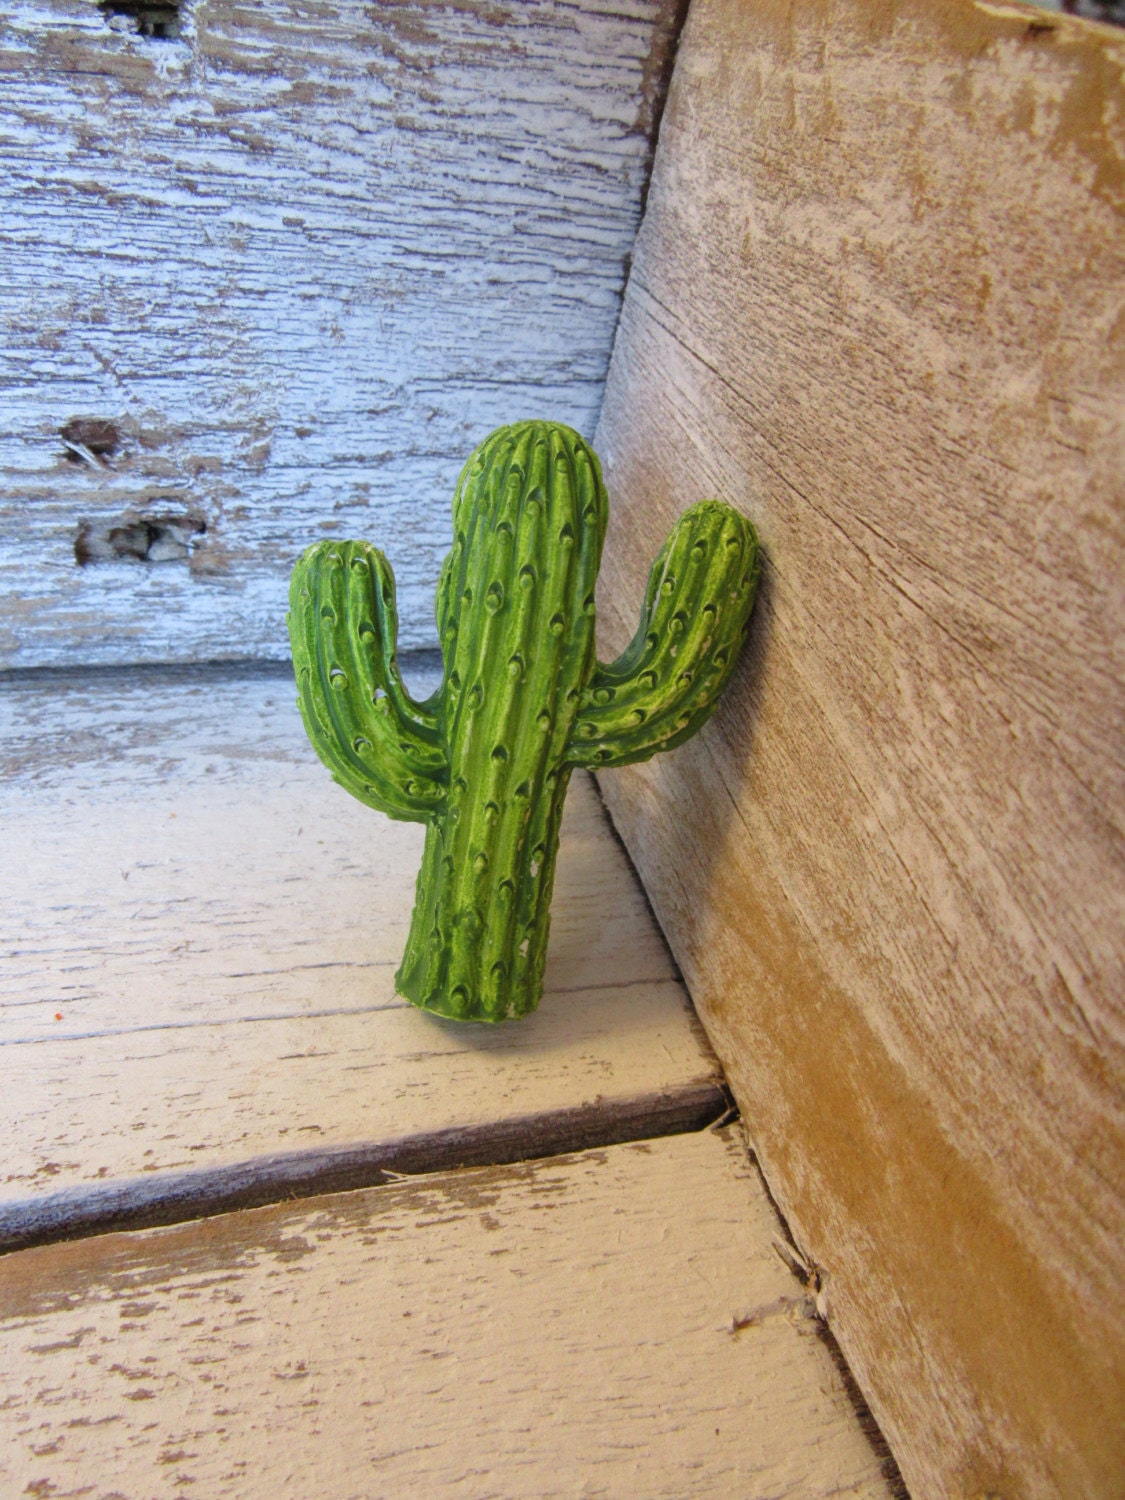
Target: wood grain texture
614,1324
197,984
301,260
877,302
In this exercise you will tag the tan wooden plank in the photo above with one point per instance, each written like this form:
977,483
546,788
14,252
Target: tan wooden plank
614,1324
202,932
876,304
300,259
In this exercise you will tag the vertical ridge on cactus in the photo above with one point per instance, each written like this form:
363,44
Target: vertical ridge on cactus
486,761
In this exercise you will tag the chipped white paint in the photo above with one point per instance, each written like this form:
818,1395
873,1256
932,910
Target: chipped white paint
200,937
877,303
303,259
613,1324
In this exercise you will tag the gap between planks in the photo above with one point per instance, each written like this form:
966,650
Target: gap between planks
614,1322
177,1197
422,663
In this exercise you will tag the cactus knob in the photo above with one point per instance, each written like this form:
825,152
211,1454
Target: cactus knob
484,763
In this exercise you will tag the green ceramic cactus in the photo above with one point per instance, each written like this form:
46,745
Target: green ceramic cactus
485,761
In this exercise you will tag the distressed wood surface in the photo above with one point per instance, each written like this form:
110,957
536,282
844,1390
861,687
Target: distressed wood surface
877,303
200,937
273,279
614,1324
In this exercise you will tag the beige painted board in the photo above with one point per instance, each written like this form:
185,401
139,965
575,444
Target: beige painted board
615,1324
201,932
877,303
300,259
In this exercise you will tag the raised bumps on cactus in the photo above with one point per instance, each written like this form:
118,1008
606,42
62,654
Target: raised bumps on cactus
485,761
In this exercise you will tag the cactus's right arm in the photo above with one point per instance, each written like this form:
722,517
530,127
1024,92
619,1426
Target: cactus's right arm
668,679
379,744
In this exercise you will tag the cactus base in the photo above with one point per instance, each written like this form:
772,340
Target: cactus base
478,939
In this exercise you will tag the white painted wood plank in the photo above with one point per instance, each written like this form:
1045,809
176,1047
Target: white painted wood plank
874,304
303,259
199,944
613,1324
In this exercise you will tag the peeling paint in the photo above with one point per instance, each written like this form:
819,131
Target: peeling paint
303,259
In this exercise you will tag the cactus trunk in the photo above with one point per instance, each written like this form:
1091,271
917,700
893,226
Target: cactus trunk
516,617
482,959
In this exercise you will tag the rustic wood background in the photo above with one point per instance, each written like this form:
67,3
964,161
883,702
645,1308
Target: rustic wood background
197,1014
877,302
615,1323
271,271
197,1001
273,277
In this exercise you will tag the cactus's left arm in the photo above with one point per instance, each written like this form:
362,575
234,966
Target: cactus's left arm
378,743
669,678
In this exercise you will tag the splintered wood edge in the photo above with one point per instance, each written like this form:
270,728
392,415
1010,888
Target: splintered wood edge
175,1197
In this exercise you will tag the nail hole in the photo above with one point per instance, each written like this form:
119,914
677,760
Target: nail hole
89,440
149,539
158,19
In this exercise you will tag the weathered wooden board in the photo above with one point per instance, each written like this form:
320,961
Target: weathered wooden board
200,935
614,1324
292,265
877,302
